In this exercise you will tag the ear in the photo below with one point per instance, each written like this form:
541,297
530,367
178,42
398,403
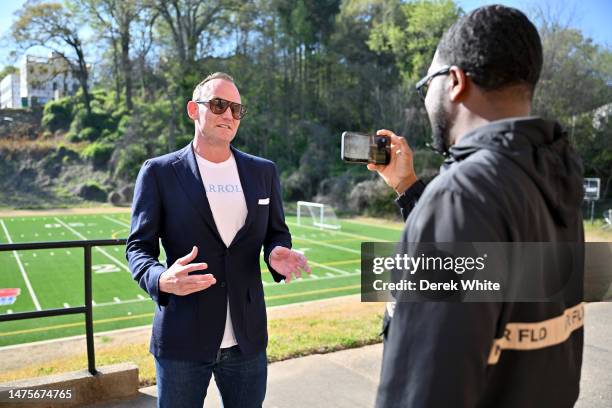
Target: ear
192,110
458,83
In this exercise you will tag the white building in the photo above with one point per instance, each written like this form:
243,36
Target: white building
10,91
39,80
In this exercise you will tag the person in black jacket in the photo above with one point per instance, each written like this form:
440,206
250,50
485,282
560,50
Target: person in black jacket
508,177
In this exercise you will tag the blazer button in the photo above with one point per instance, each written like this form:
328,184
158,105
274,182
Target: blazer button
222,284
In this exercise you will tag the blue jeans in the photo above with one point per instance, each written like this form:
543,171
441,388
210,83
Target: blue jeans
241,380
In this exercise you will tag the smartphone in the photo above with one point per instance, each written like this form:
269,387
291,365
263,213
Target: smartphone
362,148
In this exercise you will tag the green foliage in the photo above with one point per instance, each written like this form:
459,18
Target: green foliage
99,153
7,70
89,133
307,21
128,162
592,136
374,198
574,75
57,115
412,33
91,190
101,122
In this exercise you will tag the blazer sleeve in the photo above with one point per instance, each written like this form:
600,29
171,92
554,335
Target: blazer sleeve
142,248
277,233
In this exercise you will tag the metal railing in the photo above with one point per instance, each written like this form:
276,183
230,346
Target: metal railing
87,308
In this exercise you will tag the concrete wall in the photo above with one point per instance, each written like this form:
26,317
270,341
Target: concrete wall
80,388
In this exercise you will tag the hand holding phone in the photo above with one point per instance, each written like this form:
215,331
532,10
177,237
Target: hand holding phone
399,173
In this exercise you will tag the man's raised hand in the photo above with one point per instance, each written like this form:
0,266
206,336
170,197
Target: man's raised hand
287,262
177,280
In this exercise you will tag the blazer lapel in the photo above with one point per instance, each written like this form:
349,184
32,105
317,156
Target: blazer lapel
245,172
188,174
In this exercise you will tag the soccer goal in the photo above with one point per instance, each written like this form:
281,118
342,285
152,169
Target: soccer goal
317,214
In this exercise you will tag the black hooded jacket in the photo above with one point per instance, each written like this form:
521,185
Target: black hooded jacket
514,180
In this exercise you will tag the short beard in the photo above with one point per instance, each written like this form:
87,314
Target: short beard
440,126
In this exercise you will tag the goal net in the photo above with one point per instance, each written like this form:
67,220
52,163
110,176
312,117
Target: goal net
317,214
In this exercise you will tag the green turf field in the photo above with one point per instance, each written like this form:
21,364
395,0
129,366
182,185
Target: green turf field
54,278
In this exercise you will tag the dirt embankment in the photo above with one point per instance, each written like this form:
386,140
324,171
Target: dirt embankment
49,173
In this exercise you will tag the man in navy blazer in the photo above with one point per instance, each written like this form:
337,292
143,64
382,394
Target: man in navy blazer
213,207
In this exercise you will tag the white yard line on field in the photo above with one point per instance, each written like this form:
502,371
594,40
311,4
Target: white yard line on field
348,234
329,268
102,251
379,225
341,248
22,269
124,224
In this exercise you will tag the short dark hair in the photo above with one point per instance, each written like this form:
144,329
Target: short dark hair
496,45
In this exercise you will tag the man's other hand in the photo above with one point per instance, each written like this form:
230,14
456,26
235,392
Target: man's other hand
287,262
399,173
177,280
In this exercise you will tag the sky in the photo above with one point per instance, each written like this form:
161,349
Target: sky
592,17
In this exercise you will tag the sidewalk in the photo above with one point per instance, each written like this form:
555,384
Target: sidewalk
344,379
349,378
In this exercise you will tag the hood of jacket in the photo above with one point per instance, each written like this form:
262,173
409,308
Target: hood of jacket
542,149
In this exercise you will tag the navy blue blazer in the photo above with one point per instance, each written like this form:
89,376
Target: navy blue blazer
170,204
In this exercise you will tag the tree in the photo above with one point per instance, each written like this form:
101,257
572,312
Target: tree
574,74
188,21
143,44
592,137
52,26
9,69
116,17
411,32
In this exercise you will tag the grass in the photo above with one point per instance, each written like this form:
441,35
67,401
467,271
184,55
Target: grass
56,276
596,232
340,326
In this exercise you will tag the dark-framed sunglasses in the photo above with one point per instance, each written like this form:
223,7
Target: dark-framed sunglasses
423,85
218,106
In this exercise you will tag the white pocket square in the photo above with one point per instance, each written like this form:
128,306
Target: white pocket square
264,201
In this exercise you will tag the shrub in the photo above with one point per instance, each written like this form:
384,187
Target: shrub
98,153
90,126
373,198
89,133
57,115
128,161
92,191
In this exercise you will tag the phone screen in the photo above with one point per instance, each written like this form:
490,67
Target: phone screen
362,148
356,146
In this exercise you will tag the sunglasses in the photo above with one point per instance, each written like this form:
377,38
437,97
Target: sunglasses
423,85
218,106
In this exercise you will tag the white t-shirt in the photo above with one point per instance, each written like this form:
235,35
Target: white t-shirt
229,210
